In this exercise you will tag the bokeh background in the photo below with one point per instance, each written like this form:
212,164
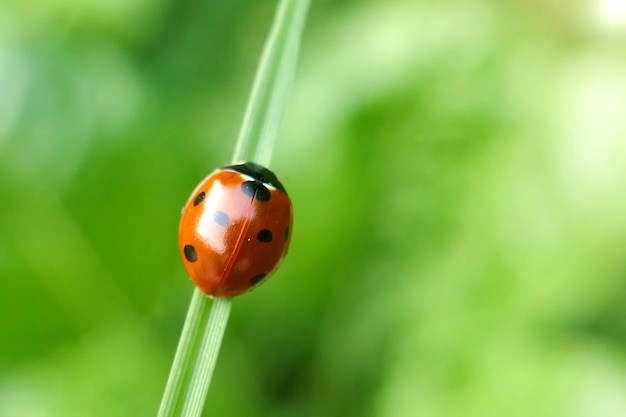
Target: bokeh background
458,171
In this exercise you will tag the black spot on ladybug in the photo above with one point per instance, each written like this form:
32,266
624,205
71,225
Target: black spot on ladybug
221,218
199,198
190,253
257,279
286,233
264,236
259,173
256,189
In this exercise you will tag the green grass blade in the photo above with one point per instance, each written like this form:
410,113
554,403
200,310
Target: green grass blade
183,359
199,345
272,84
206,358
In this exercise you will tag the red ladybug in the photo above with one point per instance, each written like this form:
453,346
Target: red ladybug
235,229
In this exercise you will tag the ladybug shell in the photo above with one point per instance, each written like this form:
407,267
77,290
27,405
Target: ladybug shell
235,229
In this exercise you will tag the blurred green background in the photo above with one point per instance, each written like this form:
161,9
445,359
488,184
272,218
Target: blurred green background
458,172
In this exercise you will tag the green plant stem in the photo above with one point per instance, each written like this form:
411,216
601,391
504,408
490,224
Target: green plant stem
199,345
179,375
272,84
207,357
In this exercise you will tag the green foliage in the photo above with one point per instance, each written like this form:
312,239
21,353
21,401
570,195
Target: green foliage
457,176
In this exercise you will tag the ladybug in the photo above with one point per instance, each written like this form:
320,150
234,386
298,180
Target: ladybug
235,229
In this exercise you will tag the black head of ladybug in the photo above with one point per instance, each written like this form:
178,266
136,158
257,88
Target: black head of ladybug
259,173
